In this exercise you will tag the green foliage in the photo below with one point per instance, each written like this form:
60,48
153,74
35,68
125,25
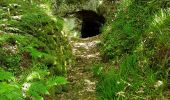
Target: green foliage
97,69
32,48
10,92
9,89
137,42
56,81
41,83
9,53
37,35
5,76
34,53
129,82
129,25
37,89
35,85
109,86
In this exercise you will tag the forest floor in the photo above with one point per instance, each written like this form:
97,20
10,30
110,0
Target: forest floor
82,84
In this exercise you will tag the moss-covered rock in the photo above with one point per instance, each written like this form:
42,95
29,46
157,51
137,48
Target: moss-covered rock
31,35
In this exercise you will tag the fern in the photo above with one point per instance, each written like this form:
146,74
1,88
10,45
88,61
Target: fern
4,76
56,80
39,74
35,53
41,83
37,89
9,90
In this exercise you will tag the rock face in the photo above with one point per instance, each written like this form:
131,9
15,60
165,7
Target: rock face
63,6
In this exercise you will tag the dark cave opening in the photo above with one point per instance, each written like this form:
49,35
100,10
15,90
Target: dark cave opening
91,23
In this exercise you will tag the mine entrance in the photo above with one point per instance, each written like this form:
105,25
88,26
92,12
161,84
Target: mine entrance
91,23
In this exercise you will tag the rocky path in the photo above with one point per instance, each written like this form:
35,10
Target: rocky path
82,83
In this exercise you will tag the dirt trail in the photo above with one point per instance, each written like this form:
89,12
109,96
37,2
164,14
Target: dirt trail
82,83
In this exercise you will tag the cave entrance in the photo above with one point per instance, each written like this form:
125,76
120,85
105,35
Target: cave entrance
91,23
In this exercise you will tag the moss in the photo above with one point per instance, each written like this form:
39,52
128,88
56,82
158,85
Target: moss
35,36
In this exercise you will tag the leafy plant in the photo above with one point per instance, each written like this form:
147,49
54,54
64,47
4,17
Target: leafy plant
9,89
35,85
5,76
41,83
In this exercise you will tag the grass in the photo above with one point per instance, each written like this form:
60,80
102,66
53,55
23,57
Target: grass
130,82
136,47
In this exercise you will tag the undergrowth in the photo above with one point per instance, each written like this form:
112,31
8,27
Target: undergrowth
135,44
33,51
35,85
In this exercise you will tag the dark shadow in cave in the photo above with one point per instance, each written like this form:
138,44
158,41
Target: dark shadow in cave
91,23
